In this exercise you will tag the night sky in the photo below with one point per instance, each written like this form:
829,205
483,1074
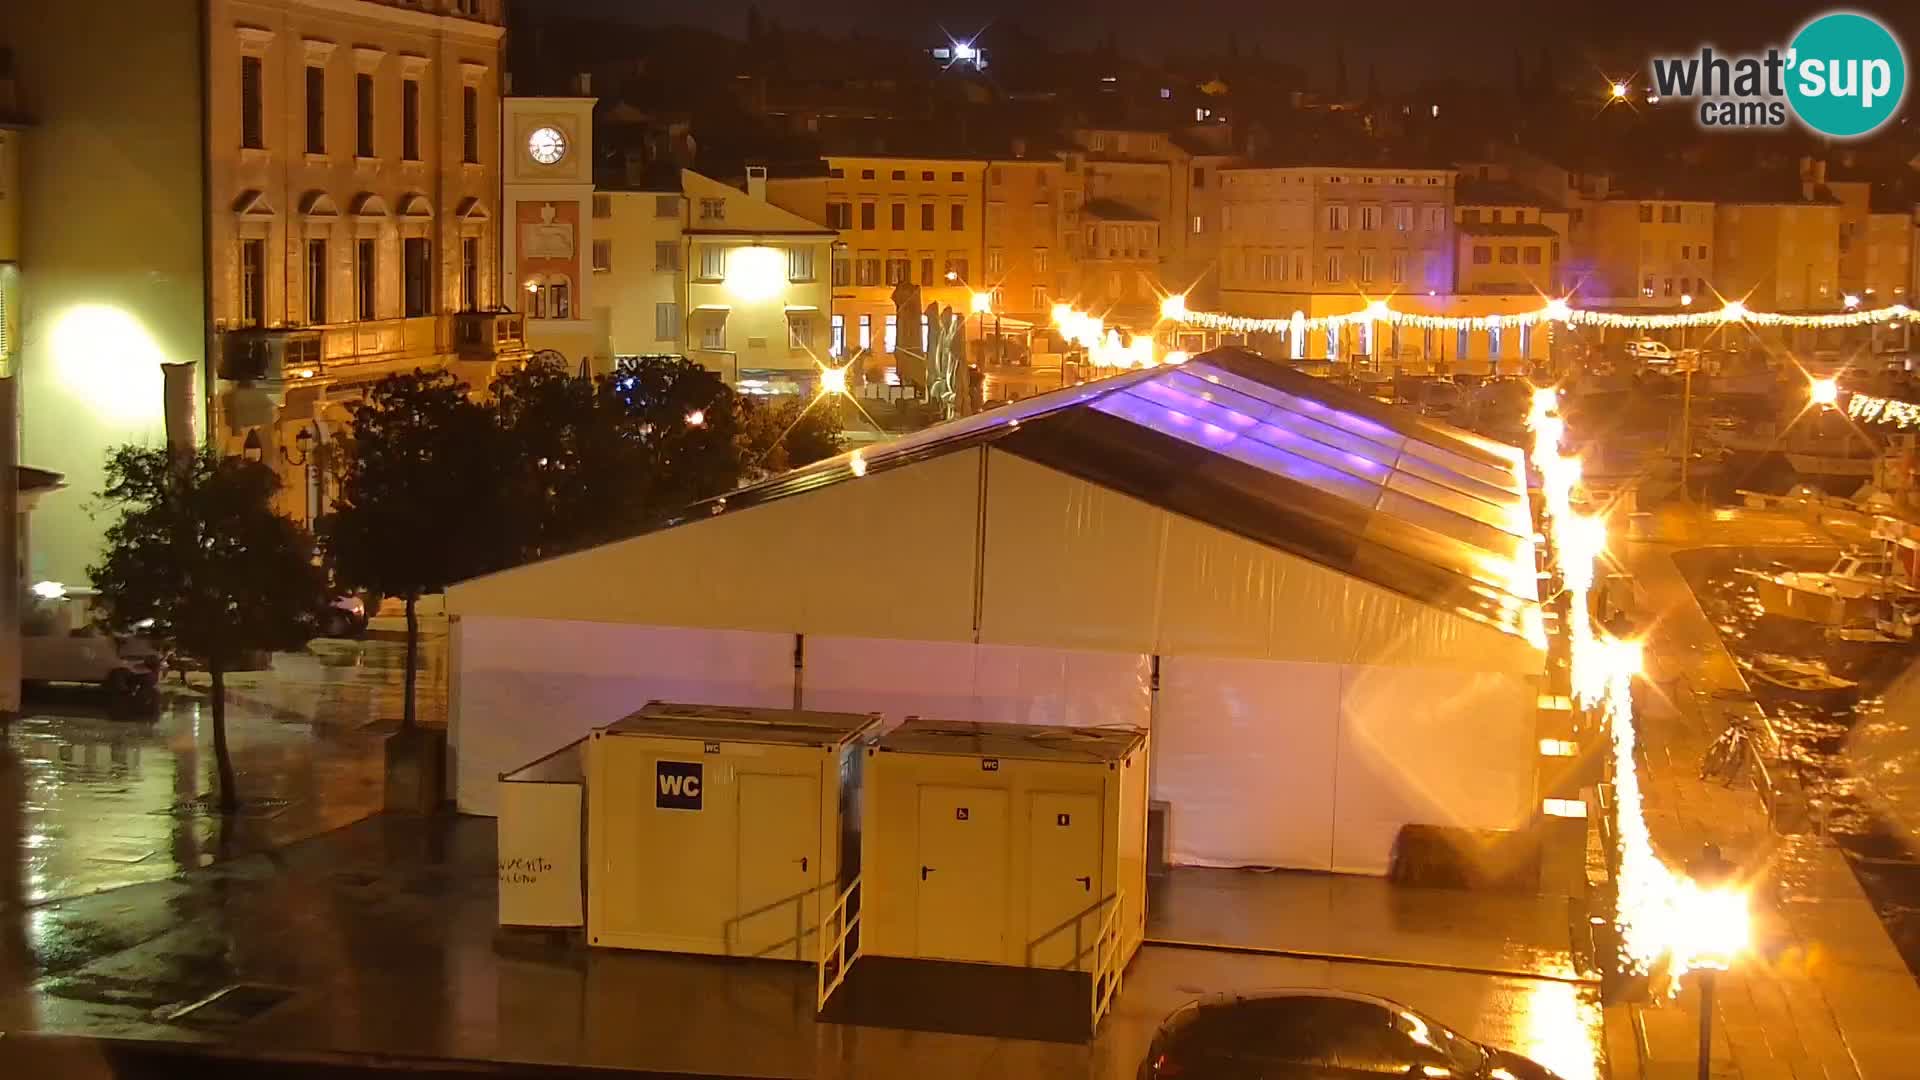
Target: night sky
1408,42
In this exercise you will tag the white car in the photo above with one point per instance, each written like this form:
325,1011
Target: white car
1651,351
59,643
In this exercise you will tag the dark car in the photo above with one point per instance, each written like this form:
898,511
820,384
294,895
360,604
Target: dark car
1315,1034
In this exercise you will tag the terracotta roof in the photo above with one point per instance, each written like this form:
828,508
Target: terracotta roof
1532,228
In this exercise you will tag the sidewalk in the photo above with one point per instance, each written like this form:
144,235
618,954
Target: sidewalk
1823,993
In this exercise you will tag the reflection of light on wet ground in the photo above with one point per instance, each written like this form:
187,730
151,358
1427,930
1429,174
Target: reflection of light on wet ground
109,802
1556,1029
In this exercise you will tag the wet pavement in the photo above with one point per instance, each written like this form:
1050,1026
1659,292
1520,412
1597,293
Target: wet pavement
1823,992
381,938
305,924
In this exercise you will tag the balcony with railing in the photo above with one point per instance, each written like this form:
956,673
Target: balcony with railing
279,355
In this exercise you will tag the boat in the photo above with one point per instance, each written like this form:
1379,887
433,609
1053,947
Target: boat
1798,676
1835,597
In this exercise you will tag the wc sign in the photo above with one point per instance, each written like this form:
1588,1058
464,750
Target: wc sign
676,785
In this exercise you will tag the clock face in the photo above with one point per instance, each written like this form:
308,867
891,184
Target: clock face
547,145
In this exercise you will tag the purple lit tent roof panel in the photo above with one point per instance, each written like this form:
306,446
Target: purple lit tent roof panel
1255,448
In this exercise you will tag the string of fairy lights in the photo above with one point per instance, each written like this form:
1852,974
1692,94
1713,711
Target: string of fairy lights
1556,311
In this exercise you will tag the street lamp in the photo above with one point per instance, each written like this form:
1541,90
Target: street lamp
251,449
1711,872
1618,91
1825,392
303,442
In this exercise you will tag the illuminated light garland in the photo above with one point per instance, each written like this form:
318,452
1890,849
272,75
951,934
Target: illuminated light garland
1555,311
1663,916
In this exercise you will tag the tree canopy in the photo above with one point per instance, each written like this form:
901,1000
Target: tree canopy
199,561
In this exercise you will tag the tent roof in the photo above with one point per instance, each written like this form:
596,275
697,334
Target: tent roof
1289,461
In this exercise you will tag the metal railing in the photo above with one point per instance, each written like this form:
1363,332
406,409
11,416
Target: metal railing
1109,960
838,927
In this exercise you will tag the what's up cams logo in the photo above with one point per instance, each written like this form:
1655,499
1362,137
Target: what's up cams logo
1843,76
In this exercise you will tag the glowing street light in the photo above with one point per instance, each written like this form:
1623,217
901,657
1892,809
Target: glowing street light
1062,313
982,303
1824,391
1686,299
833,380
858,463
1174,307
1619,91
1732,311
1852,301
697,418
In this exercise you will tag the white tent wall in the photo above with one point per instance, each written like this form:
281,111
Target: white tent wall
977,683
892,555
1429,747
1073,564
1319,766
1244,755
523,687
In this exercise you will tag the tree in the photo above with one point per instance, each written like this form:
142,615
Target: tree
785,435
428,497
687,422
199,550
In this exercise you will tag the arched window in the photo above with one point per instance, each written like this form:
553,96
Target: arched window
550,296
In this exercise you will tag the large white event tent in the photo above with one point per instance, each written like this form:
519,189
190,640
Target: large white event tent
1317,604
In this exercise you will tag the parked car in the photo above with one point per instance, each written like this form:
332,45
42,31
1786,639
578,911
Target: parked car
60,643
1650,351
1319,1035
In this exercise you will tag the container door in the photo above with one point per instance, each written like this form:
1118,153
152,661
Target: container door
1064,893
962,873
779,867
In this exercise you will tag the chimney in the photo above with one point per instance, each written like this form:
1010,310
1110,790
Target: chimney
1019,148
757,182
583,84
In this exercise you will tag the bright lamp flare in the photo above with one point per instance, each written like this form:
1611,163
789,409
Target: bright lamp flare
982,303
1619,90
697,418
833,380
1559,311
1378,311
1824,391
1732,311
1176,357
755,273
1174,307
858,463
1662,915
1061,314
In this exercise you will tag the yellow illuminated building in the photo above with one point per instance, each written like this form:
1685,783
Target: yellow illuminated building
757,296
1651,252
354,182
1508,240
1027,267
900,220
1779,254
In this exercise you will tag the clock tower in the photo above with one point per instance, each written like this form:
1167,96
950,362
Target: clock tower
547,209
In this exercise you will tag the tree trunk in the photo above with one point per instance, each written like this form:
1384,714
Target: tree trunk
229,796
413,661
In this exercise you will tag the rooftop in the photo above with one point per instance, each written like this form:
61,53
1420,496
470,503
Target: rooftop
1473,191
1257,449
1017,742
1531,228
725,723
